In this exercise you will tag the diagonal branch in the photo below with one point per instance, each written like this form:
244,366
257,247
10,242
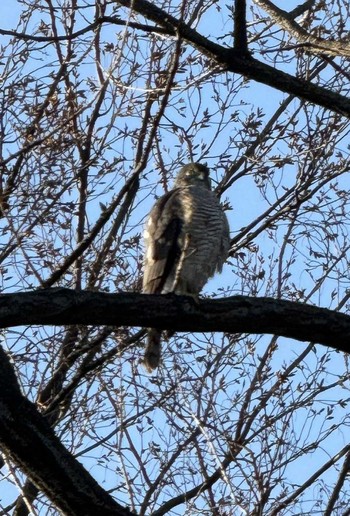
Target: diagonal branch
27,439
231,59
310,481
245,65
316,45
338,486
123,201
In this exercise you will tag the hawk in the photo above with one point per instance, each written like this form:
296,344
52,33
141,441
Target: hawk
187,240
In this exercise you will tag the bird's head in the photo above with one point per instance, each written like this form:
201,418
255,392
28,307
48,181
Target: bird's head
193,174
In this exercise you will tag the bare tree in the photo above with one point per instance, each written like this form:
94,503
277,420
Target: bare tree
101,103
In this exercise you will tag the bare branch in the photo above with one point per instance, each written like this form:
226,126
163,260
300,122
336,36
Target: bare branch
114,20
314,44
244,65
240,28
311,480
128,191
236,314
35,448
340,482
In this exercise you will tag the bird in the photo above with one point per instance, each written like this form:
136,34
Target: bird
187,240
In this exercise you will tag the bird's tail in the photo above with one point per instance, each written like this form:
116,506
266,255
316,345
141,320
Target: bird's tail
153,350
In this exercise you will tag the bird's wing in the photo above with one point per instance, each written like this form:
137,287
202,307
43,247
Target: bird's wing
225,242
163,241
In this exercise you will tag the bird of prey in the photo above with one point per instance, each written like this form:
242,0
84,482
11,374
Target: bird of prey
187,240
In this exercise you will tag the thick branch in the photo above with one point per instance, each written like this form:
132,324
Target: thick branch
243,65
27,439
230,59
240,27
238,314
316,45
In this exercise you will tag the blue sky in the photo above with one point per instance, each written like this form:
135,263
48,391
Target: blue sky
249,199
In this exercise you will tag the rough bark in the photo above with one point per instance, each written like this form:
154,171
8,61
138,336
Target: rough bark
27,439
244,64
237,314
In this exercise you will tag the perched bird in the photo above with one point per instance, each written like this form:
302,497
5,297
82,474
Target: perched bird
187,241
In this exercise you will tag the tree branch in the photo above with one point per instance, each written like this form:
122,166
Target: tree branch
114,20
240,27
128,192
27,439
244,65
230,59
315,44
237,314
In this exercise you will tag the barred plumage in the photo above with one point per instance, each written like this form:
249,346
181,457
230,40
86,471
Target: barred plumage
187,241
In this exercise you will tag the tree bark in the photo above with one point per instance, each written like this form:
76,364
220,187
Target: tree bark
242,64
237,314
27,439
